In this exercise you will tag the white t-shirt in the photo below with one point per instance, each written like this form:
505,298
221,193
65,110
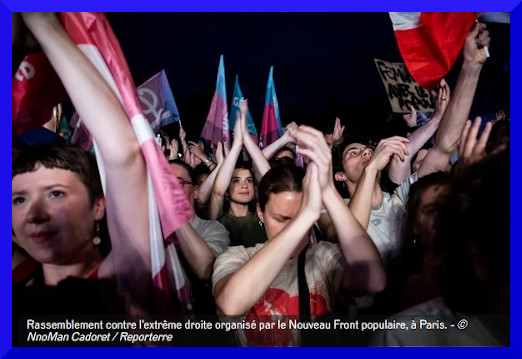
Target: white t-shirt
324,268
213,233
386,225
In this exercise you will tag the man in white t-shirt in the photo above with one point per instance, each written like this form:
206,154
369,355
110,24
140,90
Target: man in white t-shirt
362,165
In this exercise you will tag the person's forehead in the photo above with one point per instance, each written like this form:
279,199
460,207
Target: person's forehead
242,173
45,177
284,203
354,145
179,171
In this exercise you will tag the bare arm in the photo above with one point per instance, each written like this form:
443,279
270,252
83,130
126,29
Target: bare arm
125,168
224,175
457,113
205,189
400,170
196,251
270,150
238,292
365,272
259,161
367,187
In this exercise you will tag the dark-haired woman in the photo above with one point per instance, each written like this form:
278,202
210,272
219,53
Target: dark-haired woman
261,282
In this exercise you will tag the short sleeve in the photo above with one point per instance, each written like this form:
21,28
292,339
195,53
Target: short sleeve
216,236
229,262
330,259
403,190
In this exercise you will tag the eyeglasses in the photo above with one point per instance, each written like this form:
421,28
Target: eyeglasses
182,182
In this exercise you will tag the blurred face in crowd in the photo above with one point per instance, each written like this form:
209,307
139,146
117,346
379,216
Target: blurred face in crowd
184,180
427,215
355,158
241,188
53,218
285,153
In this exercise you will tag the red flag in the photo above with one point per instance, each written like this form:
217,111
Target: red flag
430,42
93,35
36,90
271,128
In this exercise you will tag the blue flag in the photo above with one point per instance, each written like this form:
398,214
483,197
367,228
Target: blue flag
234,109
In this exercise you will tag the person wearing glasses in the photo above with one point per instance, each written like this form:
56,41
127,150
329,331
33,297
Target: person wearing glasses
199,242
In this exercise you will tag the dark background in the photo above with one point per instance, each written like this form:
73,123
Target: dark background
323,64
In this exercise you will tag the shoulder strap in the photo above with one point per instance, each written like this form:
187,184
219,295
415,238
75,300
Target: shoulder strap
304,293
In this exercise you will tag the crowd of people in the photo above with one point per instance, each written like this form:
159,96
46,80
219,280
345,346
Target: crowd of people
419,235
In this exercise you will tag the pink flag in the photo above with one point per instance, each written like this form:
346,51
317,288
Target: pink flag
271,128
430,42
36,90
216,125
93,35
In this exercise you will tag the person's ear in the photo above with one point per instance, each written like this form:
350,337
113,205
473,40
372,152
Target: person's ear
196,191
340,176
260,213
99,208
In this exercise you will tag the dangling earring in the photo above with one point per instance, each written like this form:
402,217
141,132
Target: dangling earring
260,224
97,240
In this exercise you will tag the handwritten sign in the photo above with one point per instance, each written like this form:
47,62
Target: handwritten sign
403,91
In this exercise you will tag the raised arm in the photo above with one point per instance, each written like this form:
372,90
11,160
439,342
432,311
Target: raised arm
457,113
400,170
224,175
367,192
237,292
259,161
125,168
365,272
205,189
270,150
336,137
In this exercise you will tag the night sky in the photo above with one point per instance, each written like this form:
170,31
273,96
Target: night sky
323,63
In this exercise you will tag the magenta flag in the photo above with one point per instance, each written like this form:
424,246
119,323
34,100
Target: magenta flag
157,102
168,205
271,128
216,125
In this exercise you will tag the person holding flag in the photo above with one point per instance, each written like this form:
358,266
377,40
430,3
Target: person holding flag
140,260
58,204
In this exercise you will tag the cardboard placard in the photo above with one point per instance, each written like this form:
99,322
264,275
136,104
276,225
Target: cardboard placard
402,89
